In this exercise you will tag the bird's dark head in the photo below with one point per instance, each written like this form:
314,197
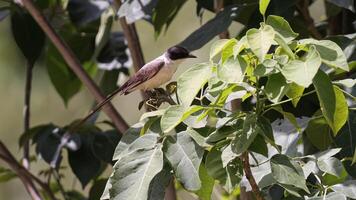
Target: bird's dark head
178,52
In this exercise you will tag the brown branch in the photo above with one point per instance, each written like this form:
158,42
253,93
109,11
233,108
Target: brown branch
303,9
26,177
218,7
249,176
74,64
26,113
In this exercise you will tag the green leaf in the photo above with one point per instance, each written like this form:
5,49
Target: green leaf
233,70
332,102
104,144
185,156
295,92
239,46
269,66
175,114
284,46
83,162
287,172
204,193
303,72
218,46
152,114
128,138
263,6
191,81
330,196
347,188
164,13
64,80
159,184
230,176
276,87
331,166
135,170
319,133
354,157
331,54
260,40
282,27
28,36
228,155
243,140
349,82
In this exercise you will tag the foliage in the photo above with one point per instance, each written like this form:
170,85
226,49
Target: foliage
295,98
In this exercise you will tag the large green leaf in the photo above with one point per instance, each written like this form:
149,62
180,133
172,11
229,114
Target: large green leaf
332,102
263,6
128,138
185,156
282,27
249,131
330,53
303,72
276,87
233,70
347,188
287,172
135,170
191,81
260,40
27,34
207,186
64,80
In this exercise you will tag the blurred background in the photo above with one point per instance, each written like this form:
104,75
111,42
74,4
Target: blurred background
47,106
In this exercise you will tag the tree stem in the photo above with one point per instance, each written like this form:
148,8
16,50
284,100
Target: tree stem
303,9
74,64
249,176
26,177
27,112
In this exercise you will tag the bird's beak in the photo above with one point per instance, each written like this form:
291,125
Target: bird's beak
191,56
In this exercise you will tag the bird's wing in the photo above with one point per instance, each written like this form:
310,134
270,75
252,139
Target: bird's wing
144,74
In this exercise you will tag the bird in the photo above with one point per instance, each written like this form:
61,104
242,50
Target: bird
152,75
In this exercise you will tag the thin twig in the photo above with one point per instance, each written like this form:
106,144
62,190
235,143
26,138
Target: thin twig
74,64
303,9
249,176
26,177
26,113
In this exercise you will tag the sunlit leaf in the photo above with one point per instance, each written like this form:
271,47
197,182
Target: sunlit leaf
303,72
260,40
282,27
331,54
263,6
191,81
233,70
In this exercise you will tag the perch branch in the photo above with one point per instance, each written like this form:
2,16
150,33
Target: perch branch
74,64
26,177
26,113
249,176
303,9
